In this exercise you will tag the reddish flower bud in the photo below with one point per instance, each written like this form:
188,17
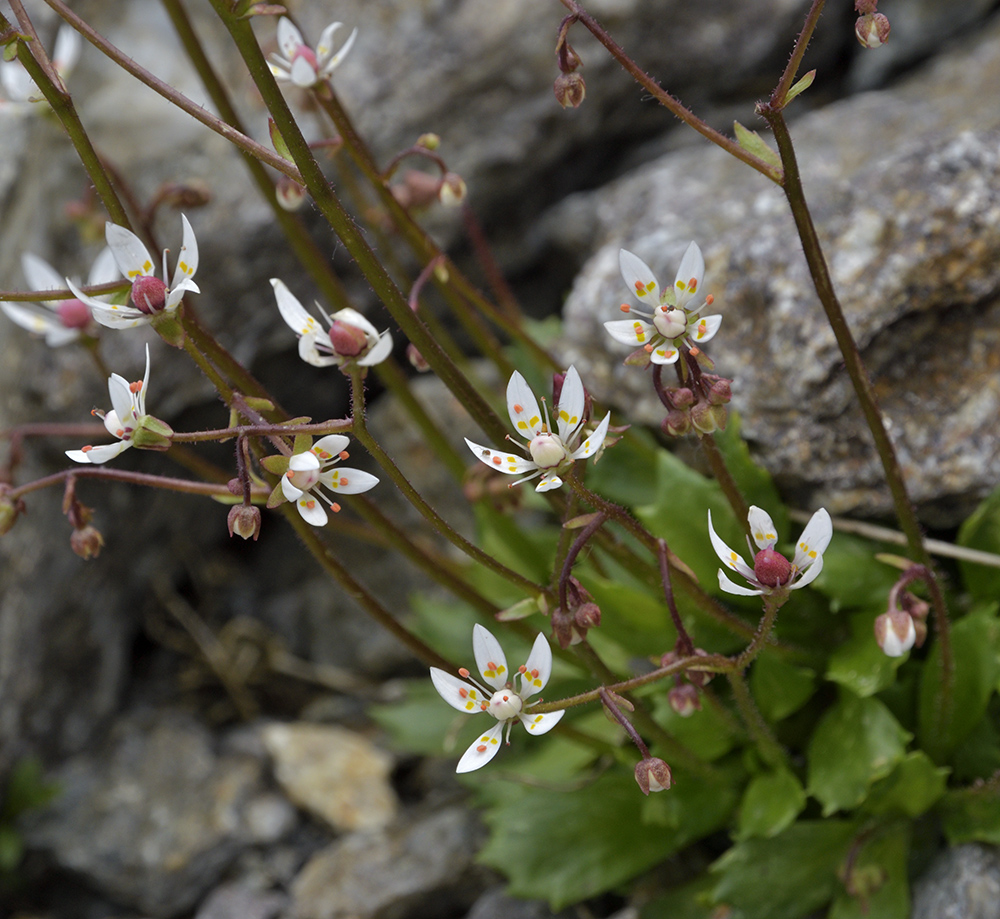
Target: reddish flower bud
235,486
865,6
149,294
721,392
570,90
912,604
682,397
772,568
703,418
244,520
872,30
86,541
74,314
416,359
895,632
289,194
587,616
684,700
676,424
347,340
652,774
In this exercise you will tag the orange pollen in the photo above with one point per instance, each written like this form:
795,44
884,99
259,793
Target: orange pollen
693,285
481,748
120,433
135,387
335,507
462,671
483,706
506,698
625,308
639,286
497,461
710,299
518,408
491,666
463,692
521,669
310,504
343,481
534,674
86,449
344,454
96,412
695,352
647,348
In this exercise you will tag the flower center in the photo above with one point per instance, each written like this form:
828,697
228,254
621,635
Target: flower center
306,52
303,479
669,322
771,568
547,450
149,294
505,704
347,340
74,314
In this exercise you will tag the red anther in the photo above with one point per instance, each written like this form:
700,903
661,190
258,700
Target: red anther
639,286
96,412
693,285
625,308
534,674
462,671
506,698
343,480
710,299
310,504
344,454
518,408
135,387
484,705
695,352
463,692
648,349
86,449
335,507
497,461
481,748
521,669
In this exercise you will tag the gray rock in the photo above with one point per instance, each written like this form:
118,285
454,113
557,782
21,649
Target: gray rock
903,188
496,904
154,817
423,869
962,883
235,901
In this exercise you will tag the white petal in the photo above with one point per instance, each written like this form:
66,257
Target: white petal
690,274
809,575
704,328
39,274
639,278
130,254
177,294
593,443
762,528
67,50
507,463
59,335
348,481
665,353
117,317
548,481
280,68
354,318
732,588
101,454
303,73
814,539
379,351
541,724
289,38
523,408
304,462
290,491
483,749
630,331
18,86
113,423
34,320
311,510
329,446
140,398
331,65
187,258
457,693
571,401
490,659
96,304
310,353
297,319
325,47
537,668
121,398
104,268
727,556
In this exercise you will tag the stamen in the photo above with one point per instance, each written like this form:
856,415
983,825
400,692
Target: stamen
625,308
648,349
344,454
463,672
709,300
135,387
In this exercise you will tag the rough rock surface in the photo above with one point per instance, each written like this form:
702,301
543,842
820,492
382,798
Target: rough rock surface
963,883
903,185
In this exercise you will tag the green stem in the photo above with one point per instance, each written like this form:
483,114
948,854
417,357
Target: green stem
770,750
795,60
133,478
720,470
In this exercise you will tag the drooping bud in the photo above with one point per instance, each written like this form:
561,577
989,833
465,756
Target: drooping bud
429,141
912,604
347,340
74,314
684,700
244,520
235,486
587,616
682,397
895,632
872,30
86,541
10,508
676,424
416,359
772,568
452,191
149,294
570,90
418,189
721,392
703,418
289,194
652,774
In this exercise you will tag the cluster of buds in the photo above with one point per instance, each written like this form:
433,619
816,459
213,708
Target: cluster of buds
872,27
86,540
701,404
571,624
569,87
903,625
683,697
420,189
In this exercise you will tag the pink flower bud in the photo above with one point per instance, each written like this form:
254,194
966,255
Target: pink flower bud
895,632
652,774
682,397
872,30
452,191
244,520
912,604
676,424
74,314
570,90
347,340
721,392
587,616
703,418
865,6
289,194
772,568
86,541
684,700
149,294
416,359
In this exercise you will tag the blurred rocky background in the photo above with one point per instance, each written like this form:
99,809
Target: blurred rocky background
259,788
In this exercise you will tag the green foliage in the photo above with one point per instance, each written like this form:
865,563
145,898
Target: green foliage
982,531
770,803
859,664
852,577
911,789
26,790
877,883
779,687
972,814
754,481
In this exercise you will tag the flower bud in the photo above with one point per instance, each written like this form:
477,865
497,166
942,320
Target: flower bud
865,6
418,189
416,359
920,628
570,90
168,326
682,397
721,392
74,314
912,604
152,434
244,520
772,568
235,486
452,191
289,194
699,677
587,616
676,424
684,700
429,141
652,774
184,195
149,294
347,340
703,418
895,632
86,541
872,30
10,508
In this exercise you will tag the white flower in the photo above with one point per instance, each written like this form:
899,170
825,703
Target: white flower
150,295
503,701
20,88
674,323
127,416
310,472
772,571
550,452
60,321
298,63
351,336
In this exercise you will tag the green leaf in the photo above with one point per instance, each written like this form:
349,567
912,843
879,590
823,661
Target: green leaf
779,687
787,876
754,481
981,530
910,789
800,87
626,474
753,143
857,742
692,901
27,789
696,804
972,814
975,645
878,879
420,721
11,849
529,552
852,577
770,804
705,733
566,847
275,463
859,663
978,756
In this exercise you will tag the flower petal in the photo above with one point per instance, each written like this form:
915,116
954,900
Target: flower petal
348,481
541,723
104,268
537,668
121,398
352,317
507,463
727,556
130,254
187,258
101,454
35,320
548,481
731,588
67,50
665,353
638,277
309,352
325,47
523,408
303,73
379,351
329,446
39,274
593,443
630,331
690,274
809,575
294,314
310,509
116,317
490,659
331,65
704,328
483,749
457,693
762,528
814,539
571,403
289,38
